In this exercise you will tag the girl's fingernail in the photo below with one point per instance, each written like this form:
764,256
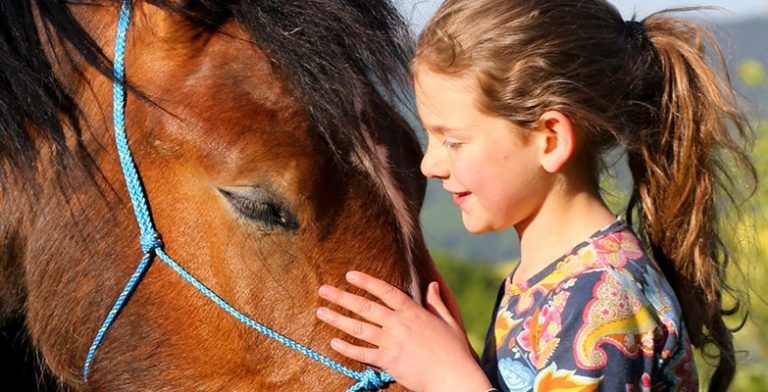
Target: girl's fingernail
335,343
352,276
322,313
324,291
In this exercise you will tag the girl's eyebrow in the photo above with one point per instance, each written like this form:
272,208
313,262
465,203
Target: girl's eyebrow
442,128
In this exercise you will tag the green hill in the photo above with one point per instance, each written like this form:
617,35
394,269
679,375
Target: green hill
744,46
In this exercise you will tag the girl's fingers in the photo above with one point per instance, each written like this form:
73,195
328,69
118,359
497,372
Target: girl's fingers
366,355
390,295
356,328
368,309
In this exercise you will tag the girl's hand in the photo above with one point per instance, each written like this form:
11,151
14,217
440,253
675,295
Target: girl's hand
424,350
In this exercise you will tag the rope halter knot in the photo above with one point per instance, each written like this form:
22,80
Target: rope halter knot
372,381
151,243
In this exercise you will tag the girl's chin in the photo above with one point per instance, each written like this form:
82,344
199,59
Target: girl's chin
481,225
475,226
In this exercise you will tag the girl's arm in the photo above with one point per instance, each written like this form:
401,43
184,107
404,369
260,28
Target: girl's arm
423,350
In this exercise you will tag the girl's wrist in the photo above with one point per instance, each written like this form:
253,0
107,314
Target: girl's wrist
476,380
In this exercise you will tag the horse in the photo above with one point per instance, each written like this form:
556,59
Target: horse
272,146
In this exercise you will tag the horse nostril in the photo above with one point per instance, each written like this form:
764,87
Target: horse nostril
262,207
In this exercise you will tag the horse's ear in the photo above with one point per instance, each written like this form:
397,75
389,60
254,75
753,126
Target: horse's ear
180,21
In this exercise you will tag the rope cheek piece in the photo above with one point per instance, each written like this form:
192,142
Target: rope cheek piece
152,244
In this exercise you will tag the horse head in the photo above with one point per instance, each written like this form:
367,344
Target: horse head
269,142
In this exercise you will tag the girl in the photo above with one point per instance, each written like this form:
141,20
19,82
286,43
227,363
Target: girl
519,99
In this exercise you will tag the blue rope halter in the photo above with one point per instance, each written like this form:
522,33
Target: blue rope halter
152,245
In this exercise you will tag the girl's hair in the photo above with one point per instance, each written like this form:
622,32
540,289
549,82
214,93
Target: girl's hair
646,85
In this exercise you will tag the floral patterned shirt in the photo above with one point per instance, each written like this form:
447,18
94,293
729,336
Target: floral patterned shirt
601,317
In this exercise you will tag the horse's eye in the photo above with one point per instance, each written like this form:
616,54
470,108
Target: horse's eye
261,208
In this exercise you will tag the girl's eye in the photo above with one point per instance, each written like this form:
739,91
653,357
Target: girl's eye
451,145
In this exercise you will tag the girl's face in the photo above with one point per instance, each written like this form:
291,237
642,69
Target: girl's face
486,162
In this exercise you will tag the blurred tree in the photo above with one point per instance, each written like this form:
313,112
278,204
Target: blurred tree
752,242
752,73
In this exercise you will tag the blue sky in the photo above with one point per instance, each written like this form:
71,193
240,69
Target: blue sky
418,11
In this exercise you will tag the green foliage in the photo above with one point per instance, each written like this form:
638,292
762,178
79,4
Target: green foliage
752,73
749,271
475,286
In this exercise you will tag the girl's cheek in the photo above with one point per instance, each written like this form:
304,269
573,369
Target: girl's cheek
470,176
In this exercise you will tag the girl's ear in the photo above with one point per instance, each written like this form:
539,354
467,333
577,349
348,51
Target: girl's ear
559,140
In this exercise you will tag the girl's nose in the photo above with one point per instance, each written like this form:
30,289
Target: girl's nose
434,163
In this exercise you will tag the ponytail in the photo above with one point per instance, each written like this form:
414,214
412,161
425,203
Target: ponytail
680,168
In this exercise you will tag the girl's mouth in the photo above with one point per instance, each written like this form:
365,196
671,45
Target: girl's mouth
460,198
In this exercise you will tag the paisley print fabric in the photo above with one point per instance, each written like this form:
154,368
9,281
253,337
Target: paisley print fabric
601,317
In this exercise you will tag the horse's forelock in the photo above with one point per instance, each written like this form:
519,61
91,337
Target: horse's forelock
32,100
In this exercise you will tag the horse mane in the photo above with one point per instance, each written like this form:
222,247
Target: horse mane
334,54
34,103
